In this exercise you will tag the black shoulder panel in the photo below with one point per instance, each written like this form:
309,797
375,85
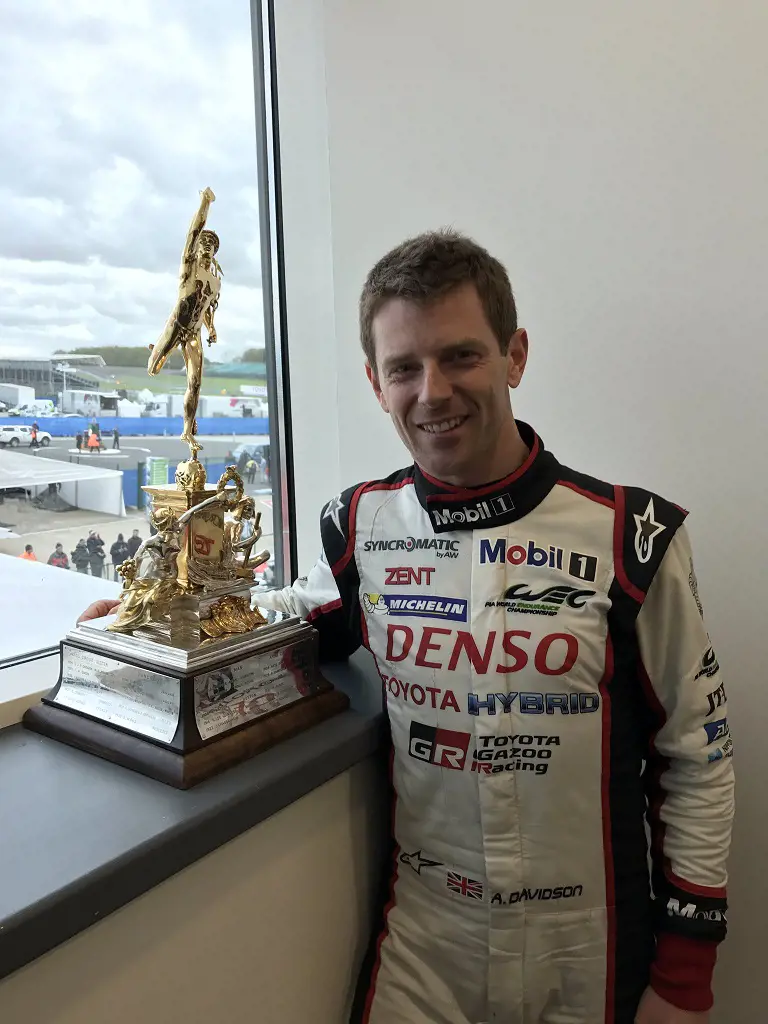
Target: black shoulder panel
646,524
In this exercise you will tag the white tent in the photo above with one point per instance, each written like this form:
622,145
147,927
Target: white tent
88,487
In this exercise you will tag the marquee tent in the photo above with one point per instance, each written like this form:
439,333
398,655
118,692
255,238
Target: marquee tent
89,487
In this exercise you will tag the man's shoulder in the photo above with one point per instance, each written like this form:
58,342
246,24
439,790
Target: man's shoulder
644,524
394,481
615,494
337,513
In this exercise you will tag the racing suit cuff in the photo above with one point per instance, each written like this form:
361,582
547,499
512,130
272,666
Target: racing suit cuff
682,971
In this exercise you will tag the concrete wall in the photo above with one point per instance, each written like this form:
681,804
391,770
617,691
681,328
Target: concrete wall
614,157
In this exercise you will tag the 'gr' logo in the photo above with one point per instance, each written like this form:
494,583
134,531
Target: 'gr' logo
443,747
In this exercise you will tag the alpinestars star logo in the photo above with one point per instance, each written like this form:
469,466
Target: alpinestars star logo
647,531
417,862
332,510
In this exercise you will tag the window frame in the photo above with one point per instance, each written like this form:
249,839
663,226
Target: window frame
274,291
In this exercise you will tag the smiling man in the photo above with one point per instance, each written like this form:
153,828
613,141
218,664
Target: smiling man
549,681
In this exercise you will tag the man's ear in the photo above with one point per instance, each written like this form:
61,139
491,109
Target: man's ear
373,378
517,357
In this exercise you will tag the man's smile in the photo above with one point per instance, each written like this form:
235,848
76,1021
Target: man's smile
443,426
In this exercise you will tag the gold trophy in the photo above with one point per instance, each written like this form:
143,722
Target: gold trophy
187,678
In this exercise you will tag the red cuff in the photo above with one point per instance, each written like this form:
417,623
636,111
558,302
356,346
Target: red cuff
682,971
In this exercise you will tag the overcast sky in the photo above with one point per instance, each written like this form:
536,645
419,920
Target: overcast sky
114,117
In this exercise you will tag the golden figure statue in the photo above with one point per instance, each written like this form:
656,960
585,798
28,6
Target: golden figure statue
199,287
192,579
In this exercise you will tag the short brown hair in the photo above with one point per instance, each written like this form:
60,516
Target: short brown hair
429,266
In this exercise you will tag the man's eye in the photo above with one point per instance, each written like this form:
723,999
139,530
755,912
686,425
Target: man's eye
400,370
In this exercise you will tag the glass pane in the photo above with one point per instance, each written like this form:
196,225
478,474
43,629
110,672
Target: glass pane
121,115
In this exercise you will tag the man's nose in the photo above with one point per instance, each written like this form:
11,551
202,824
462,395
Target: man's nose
435,386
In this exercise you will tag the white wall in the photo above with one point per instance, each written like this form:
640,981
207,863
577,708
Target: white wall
614,157
271,927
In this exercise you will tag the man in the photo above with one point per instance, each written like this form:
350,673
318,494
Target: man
199,287
59,557
81,556
28,554
134,543
115,438
546,672
96,553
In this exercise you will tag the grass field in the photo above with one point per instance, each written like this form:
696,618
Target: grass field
169,383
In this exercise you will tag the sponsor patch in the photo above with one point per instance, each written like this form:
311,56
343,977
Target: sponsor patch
452,609
522,599
442,747
498,550
408,575
647,530
477,512
417,862
716,730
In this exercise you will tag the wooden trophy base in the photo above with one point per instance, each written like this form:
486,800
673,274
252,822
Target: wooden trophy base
183,715
184,769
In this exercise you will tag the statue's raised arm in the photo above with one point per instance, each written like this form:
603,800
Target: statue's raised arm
195,230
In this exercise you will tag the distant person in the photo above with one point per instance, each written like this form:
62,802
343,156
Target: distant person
59,557
28,554
133,543
116,438
94,443
118,553
79,440
250,467
33,441
96,553
35,425
81,556
242,462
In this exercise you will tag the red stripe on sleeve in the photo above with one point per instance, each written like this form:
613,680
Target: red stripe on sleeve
682,971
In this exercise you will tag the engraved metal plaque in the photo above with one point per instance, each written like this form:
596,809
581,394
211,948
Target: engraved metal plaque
138,699
229,697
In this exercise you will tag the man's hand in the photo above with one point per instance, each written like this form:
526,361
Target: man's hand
655,1010
98,609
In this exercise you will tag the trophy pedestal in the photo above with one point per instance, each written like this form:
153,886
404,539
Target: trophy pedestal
183,715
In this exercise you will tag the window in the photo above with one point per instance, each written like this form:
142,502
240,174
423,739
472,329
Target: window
117,116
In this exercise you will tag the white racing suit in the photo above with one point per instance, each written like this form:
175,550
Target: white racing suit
549,683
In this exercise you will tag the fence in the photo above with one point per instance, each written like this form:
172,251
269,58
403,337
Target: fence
141,426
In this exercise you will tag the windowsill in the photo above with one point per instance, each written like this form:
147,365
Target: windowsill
87,836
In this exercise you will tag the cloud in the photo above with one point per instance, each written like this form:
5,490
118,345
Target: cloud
115,117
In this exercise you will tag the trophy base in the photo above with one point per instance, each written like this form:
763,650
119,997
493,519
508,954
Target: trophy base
183,714
183,770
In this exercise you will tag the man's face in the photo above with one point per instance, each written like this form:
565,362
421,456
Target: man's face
442,377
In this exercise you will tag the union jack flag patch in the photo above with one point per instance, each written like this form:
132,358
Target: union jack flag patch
464,886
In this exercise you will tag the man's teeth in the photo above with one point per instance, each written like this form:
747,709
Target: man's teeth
439,428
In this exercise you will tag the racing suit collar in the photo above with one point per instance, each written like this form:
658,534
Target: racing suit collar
504,501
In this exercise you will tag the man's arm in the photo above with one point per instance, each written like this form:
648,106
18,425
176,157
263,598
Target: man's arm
329,597
195,230
690,781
